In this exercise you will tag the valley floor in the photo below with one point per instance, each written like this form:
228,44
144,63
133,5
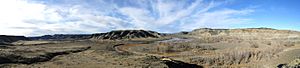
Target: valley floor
177,52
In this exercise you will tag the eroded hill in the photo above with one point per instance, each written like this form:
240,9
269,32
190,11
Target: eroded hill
126,34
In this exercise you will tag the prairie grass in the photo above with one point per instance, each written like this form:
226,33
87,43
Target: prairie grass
233,57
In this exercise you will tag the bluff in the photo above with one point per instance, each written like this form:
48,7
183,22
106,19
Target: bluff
247,33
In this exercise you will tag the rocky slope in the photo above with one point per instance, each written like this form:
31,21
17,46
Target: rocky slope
126,34
62,37
4,39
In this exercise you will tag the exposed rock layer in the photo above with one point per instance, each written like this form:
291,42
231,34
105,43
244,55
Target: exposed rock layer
126,34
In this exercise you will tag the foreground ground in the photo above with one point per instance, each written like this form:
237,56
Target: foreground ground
202,48
154,53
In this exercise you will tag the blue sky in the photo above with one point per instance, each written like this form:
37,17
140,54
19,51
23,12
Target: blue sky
40,17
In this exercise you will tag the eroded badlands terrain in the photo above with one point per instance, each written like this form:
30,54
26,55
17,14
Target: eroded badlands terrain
201,48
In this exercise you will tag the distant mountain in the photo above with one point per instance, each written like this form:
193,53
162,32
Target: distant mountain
62,37
127,34
5,39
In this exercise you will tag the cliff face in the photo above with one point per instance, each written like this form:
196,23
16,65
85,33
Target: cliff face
249,33
63,37
126,34
9,39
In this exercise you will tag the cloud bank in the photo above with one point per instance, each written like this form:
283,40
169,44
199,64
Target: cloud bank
39,17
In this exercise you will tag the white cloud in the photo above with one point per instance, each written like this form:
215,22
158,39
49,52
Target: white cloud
140,17
25,17
168,13
192,16
42,19
219,19
13,13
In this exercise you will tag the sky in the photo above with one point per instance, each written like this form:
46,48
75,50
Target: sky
44,17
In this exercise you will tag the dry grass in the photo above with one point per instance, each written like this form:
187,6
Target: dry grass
223,53
233,57
261,50
180,47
